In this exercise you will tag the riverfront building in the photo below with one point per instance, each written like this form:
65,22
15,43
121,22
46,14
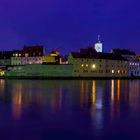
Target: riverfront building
134,61
16,58
29,55
89,63
52,58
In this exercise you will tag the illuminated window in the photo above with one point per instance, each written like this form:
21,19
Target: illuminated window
118,71
26,54
16,54
82,65
112,71
19,54
86,65
93,66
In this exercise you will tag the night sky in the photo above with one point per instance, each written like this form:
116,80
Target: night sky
69,24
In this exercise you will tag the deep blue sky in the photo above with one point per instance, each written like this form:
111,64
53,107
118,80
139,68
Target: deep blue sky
70,24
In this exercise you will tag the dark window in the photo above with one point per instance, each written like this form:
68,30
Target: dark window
107,71
85,71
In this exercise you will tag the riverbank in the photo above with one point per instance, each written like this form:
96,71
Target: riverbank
66,78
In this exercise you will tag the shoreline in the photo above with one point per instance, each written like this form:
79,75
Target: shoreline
68,78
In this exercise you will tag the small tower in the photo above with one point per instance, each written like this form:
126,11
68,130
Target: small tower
98,45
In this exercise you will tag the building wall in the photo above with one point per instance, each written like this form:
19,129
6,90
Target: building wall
134,68
5,62
41,70
85,67
32,60
16,60
49,59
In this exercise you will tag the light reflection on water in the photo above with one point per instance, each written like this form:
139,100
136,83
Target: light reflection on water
84,107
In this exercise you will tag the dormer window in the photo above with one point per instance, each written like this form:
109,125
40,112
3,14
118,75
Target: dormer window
26,54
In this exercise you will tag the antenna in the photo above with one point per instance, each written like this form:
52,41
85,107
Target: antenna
99,39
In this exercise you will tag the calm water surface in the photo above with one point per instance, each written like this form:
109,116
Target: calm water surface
69,109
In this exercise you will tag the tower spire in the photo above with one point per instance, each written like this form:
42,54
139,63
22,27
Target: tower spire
99,39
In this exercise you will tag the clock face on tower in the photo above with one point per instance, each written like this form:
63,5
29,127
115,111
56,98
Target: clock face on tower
98,47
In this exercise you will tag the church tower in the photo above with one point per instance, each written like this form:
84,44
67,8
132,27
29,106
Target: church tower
98,45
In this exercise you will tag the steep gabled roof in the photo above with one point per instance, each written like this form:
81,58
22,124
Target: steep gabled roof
122,51
33,48
98,56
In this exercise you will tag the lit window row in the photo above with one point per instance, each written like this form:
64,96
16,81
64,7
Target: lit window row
16,54
119,71
134,64
86,65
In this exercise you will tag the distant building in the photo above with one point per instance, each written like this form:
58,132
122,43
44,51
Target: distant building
124,52
16,58
5,58
137,57
33,55
29,55
134,61
52,58
134,68
98,64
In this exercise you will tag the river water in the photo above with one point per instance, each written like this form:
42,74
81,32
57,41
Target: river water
69,109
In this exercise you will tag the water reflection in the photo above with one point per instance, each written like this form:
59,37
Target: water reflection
112,90
134,95
2,86
92,94
97,104
56,102
103,101
118,90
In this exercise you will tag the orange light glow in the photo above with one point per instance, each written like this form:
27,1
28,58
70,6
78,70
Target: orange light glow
118,90
93,92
